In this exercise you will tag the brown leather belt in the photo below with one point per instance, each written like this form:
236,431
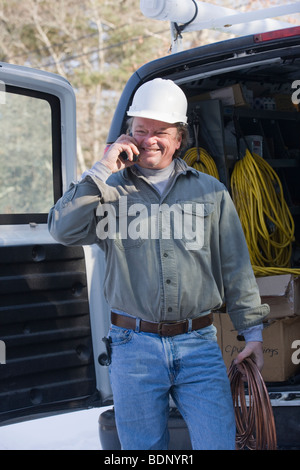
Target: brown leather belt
171,328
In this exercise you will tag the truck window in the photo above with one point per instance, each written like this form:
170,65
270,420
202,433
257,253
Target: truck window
29,155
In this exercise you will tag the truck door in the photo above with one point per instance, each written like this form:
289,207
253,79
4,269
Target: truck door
47,353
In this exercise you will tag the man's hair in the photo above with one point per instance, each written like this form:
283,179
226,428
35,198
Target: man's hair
182,130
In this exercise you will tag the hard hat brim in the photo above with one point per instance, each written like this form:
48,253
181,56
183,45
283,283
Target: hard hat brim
163,117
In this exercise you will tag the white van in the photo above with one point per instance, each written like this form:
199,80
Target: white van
53,316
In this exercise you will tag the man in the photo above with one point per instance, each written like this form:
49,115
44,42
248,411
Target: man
175,251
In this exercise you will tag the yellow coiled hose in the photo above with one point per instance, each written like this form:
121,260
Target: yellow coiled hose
200,159
265,217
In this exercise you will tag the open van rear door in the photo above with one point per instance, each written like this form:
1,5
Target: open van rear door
47,355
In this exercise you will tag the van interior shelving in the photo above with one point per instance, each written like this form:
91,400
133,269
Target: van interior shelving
265,109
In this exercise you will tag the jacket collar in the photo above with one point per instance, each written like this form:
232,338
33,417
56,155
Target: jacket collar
180,168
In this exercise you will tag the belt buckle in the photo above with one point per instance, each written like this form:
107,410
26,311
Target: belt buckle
162,323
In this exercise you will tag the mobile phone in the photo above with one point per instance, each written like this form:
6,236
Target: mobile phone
124,156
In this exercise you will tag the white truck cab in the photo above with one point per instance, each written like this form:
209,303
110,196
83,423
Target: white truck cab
53,314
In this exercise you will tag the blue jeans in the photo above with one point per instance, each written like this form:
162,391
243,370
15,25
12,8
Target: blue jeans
146,368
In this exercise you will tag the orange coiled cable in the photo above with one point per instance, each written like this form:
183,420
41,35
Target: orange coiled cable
254,421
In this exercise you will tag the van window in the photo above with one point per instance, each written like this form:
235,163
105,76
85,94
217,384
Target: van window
27,153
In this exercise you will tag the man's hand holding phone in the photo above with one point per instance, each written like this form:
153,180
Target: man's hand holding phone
121,154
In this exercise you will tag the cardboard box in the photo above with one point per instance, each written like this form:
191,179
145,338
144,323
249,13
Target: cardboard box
281,293
284,103
230,96
280,358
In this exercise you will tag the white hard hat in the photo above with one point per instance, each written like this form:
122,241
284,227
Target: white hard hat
161,100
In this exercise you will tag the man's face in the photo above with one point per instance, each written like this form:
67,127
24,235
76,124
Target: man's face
157,142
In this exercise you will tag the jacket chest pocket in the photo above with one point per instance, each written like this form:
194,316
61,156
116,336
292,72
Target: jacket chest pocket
124,222
195,223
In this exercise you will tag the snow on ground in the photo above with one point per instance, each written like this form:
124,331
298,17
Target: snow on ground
69,431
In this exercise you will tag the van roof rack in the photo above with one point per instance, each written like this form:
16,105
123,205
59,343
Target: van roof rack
193,15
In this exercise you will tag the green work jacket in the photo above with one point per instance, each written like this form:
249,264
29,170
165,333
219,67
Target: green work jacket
169,257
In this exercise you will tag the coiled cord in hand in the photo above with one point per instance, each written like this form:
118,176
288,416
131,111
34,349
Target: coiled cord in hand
255,423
